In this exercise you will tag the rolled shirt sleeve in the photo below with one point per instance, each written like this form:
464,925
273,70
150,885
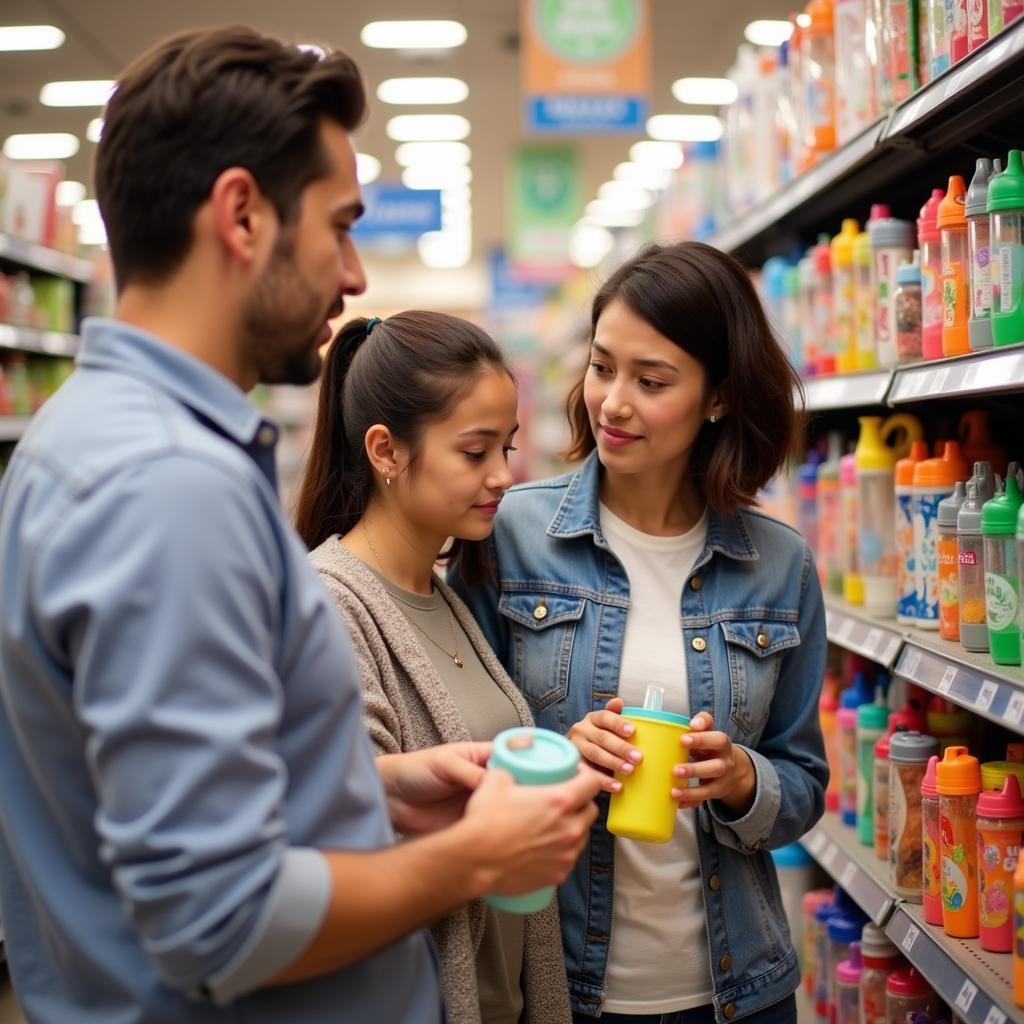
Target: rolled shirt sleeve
161,590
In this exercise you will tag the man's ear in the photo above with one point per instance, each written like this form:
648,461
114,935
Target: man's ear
242,218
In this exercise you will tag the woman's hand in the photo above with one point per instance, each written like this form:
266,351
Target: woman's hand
724,772
602,738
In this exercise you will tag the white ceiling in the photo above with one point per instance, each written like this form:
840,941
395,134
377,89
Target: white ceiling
689,38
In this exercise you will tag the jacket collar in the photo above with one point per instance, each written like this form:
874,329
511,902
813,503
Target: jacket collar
578,514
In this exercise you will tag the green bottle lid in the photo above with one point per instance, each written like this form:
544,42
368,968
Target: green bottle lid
1006,190
999,516
872,716
534,757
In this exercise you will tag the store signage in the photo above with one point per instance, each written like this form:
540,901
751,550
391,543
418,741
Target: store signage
545,203
394,210
586,65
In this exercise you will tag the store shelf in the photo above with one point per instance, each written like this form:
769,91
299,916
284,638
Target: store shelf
47,261
849,627
28,339
855,867
995,692
12,427
997,371
977,985
847,391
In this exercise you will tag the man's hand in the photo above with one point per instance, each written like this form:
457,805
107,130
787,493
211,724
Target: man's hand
427,789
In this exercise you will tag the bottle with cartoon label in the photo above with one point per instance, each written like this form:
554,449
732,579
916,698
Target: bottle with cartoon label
1018,932
1000,827
958,781
931,889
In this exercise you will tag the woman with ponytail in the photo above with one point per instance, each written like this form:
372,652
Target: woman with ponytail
649,566
415,422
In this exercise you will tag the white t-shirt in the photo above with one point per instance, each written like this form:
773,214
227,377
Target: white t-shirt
658,961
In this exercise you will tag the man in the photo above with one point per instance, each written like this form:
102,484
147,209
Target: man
192,824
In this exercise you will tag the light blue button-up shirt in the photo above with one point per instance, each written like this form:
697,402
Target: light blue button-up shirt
180,716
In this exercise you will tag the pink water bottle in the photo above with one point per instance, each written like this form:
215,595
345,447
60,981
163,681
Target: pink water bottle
958,39
977,23
848,974
929,241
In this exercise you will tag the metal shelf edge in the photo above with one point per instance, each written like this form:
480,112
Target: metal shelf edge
30,339
857,632
49,261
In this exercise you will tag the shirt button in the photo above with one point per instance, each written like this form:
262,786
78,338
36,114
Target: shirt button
267,435
729,1010
762,640
725,963
541,611
698,643
696,583
714,883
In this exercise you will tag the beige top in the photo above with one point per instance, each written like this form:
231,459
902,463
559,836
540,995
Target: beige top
408,707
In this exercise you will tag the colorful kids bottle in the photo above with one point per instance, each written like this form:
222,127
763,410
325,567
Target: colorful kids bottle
808,314
902,720
929,241
821,916
872,723
824,306
864,302
843,930
892,243
878,449
906,582
979,326
829,566
900,44
1002,584
958,45
977,23
995,773
976,440
880,958
534,757
850,700
811,902
949,723
908,310
938,35
1018,932
819,70
909,755
848,975
995,17
807,499
958,781
1000,828
906,992
853,585
791,314
955,268
931,846
844,293
1006,207
934,479
828,709
971,559
949,575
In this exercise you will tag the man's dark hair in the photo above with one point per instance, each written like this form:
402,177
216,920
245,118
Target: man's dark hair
196,104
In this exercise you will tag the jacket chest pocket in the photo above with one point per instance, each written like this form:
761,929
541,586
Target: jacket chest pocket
542,629
755,651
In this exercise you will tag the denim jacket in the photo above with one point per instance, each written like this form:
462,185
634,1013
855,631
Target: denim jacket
754,635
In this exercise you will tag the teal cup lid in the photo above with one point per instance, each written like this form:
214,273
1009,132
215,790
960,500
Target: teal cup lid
534,757
656,716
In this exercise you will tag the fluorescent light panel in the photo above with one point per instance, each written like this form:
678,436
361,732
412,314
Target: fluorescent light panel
413,35
445,249
589,244
423,176
92,93
422,90
450,154
768,33
644,176
668,155
629,197
16,38
684,127
94,130
70,193
716,92
41,146
427,128
367,168
609,215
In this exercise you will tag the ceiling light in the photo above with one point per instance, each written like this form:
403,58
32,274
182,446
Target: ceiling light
413,35
684,127
450,154
715,92
424,176
367,168
76,94
70,193
803,20
86,210
93,233
630,197
427,128
94,130
657,154
768,33
422,90
589,244
41,146
445,249
655,178
456,216
30,37
455,195
610,215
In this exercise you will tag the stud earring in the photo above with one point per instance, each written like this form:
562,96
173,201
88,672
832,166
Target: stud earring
712,418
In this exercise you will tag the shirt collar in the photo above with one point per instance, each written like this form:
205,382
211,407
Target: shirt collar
579,514
121,348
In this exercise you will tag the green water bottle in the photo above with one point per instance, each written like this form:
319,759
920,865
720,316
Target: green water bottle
872,722
1005,203
1002,582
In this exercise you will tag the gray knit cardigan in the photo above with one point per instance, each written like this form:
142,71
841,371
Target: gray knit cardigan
407,707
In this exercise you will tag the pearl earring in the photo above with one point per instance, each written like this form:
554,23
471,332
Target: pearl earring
712,418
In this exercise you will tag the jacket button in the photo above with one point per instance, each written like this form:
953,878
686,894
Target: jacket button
698,643
762,640
725,963
696,583
541,611
729,1010
714,883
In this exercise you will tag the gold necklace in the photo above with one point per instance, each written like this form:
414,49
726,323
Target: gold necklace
412,622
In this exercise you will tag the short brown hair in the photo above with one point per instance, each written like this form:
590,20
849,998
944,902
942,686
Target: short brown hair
196,104
702,300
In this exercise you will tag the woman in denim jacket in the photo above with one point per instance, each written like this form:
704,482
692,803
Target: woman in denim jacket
649,566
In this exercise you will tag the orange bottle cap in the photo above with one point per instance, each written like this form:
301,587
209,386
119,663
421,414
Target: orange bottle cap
951,209
905,466
944,471
958,773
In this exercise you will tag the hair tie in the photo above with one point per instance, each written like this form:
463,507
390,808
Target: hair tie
371,323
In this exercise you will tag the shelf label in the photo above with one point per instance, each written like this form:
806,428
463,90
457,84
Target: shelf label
994,58
969,377
966,996
814,842
848,874
946,682
911,663
939,378
829,855
890,649
873,640
845,629
986,695
994,1016
1014,712
911,114
910,938
954,83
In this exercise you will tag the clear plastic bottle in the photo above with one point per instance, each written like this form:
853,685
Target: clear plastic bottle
829,565
958,42
929,241
850,700
971,559
824,306
872,723
955,269
909,755
809,314
949,577
881,958
848,975
908,310
1006,207
853,74
844,296
864,302
820,934
819,70
811,902
906,992
1002,581
892,243
843,930
900,34
979,326
906,584
938,35
853,585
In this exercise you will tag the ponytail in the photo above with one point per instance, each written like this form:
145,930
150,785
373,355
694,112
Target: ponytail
336,484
